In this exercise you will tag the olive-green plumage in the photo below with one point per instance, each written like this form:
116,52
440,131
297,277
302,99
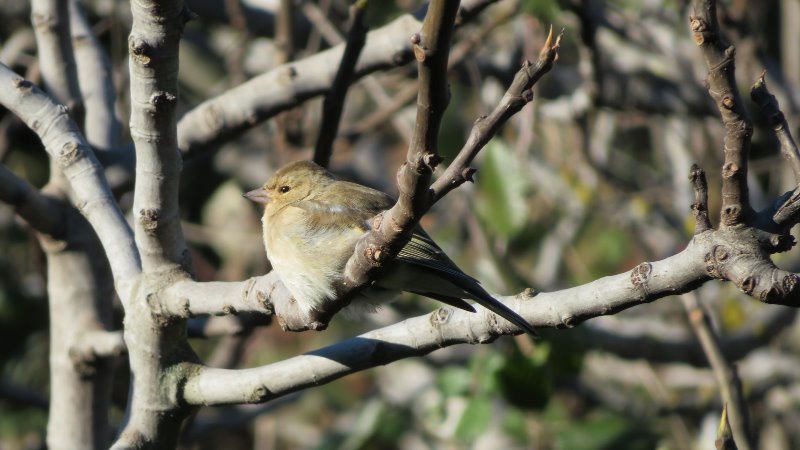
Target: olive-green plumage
312,222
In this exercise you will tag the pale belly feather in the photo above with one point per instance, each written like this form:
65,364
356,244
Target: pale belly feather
308,267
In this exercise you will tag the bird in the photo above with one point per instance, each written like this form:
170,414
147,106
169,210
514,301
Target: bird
311,223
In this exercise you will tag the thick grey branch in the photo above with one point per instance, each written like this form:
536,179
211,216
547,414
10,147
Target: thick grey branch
153,48
71,152
52,28
189,298
445,327
101,125
98,344
230,114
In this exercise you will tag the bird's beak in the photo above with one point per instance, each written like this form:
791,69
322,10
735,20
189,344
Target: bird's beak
258,195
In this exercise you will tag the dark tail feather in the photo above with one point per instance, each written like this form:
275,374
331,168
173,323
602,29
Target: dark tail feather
508,314
452,301
495,306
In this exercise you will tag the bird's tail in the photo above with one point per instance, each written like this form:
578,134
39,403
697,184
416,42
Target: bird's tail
496,306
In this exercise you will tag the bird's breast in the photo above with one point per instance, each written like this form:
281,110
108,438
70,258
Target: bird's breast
309,259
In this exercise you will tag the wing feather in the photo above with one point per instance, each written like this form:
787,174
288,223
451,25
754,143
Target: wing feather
422,251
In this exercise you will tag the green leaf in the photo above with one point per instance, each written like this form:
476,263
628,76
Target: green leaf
515,425
475,419
601,431
526,381
454,381
502,186
547,11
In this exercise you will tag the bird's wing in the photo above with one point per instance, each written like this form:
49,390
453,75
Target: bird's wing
352,206
422,251
348,207
345,205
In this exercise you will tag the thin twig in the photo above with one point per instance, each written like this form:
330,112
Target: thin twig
517,96
371,84
788,211
769,106
470,9
334,100
727,379
392,230
284,33
407,93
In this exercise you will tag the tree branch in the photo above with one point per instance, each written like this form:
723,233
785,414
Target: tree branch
239,109
95,344
79,292
101,125
22,395
727,379
59,75
447,326
787,213
392,229
408,92
189,298
284,31
153,48
334,101
769,106
239,325
228,115
41,212
719,57
370,83
700,206
660,342
72,153
517,96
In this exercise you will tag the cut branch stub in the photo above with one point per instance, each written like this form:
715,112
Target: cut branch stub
700,205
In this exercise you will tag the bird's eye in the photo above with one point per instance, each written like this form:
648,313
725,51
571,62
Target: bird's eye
284,189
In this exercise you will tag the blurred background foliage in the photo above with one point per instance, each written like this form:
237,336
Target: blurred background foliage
589,180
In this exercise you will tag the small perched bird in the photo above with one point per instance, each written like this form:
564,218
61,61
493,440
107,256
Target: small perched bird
312,222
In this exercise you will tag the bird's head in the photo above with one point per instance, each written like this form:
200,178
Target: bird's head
291,183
